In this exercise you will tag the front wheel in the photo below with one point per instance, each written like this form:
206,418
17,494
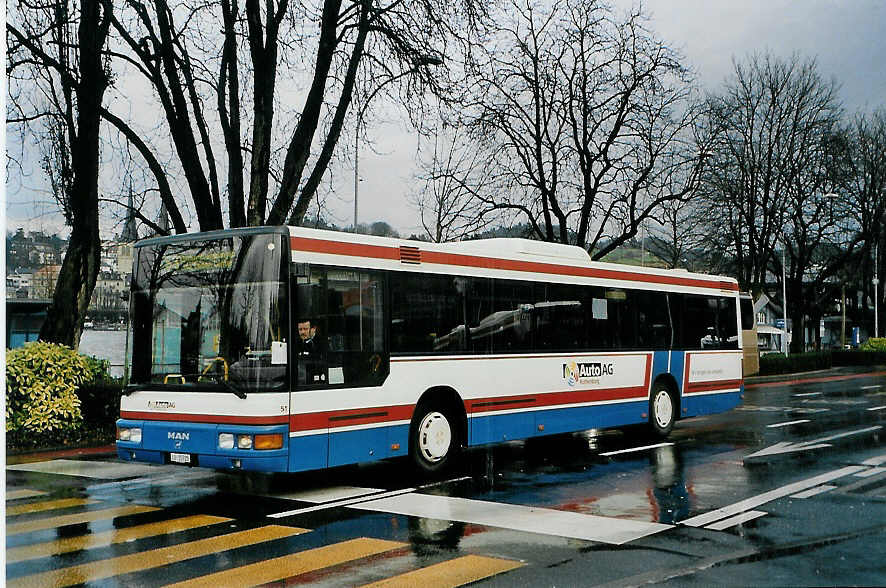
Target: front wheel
662,411
434,440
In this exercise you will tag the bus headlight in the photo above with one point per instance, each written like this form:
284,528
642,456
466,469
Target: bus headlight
244,441
273,441
225,440
130,434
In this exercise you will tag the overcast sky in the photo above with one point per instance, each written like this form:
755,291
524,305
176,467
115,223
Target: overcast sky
848,38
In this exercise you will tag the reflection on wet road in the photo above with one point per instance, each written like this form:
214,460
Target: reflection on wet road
788,489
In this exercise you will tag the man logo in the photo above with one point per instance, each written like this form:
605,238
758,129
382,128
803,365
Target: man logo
177,436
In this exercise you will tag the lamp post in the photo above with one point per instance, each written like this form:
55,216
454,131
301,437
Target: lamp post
784,298
419,62
876,281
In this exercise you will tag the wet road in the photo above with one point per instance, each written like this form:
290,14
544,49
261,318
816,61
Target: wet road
789,489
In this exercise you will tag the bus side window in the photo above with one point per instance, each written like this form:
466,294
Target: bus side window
345,308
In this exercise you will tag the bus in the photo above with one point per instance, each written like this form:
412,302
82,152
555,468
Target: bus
290,349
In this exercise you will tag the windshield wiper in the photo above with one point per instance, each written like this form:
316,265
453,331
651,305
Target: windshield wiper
231,388
135,388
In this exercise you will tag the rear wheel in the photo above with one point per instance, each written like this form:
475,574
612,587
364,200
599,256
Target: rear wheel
434,440
662,410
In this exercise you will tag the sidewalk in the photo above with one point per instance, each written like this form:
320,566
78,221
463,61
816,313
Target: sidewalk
102,451
827,375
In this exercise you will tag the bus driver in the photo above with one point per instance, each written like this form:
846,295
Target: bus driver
310,362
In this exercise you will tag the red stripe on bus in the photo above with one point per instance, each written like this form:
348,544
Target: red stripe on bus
461,259
549,399
335,419
205,418
332,419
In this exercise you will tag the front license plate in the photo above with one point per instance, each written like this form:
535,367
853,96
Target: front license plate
180,457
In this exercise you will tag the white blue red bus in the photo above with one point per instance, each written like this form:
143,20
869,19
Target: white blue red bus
291,349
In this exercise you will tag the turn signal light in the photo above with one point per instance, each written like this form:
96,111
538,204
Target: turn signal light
274,441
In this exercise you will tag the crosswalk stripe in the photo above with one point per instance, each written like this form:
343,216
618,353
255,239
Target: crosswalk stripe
136,562
105,538
294,564
23,493
32,507
76,518
452,573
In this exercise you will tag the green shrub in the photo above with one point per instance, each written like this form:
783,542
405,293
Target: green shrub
100,403
41,392
778,363
859,357
874,344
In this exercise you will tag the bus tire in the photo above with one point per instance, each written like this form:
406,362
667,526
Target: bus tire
434,440
662,410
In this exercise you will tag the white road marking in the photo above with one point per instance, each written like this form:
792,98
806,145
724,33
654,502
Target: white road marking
633,449
871,387
760,499
335,504
813,491
776,425
359,499
89,469
528,519
875,461
877,407
807,394
736,520
788,447
870,472
332,494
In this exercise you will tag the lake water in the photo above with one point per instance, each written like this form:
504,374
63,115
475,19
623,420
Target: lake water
110,345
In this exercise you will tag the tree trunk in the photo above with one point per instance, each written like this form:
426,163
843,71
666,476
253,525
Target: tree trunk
79,271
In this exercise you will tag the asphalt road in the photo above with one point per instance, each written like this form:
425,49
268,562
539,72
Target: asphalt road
788,489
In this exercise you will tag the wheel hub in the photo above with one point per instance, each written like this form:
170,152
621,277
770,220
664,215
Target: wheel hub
664,409
434,436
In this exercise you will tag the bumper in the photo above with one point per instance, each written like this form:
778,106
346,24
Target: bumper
198,441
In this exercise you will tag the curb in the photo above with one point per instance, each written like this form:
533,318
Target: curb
787,377
101,451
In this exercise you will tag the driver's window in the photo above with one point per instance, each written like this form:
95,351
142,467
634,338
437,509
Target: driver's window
340,327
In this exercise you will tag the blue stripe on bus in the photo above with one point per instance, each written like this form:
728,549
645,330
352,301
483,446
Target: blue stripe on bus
659,364
367,444
710,403
497,428
677,363
309,452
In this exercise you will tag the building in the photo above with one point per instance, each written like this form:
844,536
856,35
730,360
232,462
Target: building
770,323
44,280
23,320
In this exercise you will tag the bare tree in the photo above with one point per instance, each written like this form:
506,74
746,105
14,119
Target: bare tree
61,45
585,119
778,155
228,86
677,238
756,127
867,194
445,200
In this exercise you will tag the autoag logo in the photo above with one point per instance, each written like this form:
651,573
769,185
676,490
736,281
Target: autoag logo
586,373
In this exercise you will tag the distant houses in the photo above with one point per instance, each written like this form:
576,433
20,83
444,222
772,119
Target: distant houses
33,263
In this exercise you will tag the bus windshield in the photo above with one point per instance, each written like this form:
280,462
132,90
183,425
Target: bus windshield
211,315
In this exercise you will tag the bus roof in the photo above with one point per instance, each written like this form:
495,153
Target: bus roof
507,254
